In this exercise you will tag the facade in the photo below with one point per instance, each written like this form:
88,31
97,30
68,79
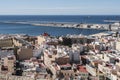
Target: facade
117,45
40,39
24,53
6,43
7,64
17,42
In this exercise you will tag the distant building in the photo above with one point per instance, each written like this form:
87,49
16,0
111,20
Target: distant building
40,39
6,43
24,53
74,56
20,43
62,60
117,45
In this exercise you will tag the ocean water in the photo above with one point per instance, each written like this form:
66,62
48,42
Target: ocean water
55,31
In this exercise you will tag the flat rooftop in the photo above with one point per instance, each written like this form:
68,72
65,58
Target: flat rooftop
4,53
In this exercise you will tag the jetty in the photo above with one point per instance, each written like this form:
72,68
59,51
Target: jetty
111,27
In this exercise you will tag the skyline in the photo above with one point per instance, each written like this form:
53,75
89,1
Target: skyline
59,7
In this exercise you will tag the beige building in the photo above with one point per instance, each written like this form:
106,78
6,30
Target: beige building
21,42
17,42
11,42
109,72
40,39
91,70
6,43
8,62
117,45
25,53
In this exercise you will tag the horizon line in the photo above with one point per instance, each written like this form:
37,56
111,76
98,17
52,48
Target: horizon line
59,14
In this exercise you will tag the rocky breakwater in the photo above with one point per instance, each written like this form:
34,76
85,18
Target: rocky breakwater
67,25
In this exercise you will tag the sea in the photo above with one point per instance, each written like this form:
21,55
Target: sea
32,30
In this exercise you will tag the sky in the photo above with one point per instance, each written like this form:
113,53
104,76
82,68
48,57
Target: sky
59,7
